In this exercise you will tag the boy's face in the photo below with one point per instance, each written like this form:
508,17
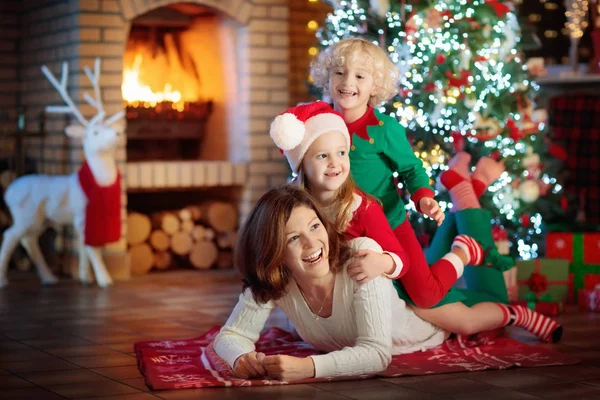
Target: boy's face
352,85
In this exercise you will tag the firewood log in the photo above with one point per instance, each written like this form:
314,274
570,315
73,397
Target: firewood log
141,259
167,221
138,228
226,240
181,243
203,254
220,216
209,235
185,214
159,240
187,226
163,259
196,212
198,233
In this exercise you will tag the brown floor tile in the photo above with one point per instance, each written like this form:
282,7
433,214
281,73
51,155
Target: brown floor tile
252,393
11,345
81,351
570,372
90,389
46,364
564,390
119,373
134,396
496,395
345,385
30,394
23,355
62,377
384,393
126,347
3,372
456,385
13,382
108,360
593,382
137,383
514,378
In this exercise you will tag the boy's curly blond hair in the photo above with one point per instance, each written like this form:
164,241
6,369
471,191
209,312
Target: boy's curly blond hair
385,74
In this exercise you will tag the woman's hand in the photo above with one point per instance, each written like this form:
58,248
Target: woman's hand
249,365
368,264
288,368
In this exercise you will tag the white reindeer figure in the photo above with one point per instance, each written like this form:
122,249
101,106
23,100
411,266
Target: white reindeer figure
37,201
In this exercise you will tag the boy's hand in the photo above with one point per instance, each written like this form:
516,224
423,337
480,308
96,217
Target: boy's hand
368,264
430,207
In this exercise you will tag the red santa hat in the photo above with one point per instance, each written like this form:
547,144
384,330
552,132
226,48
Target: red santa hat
295,130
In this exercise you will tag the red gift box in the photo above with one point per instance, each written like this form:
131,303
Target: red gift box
589,299
550,308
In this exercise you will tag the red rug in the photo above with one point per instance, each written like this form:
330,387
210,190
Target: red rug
192,363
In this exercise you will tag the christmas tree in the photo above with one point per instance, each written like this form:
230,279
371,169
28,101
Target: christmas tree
465,86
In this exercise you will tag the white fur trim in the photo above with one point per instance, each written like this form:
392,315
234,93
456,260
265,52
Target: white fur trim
398,265
456,262
287,131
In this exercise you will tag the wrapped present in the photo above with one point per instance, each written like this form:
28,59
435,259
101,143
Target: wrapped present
581,249
544,276
589,299
542,304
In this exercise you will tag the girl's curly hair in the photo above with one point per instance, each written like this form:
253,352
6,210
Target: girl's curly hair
385,73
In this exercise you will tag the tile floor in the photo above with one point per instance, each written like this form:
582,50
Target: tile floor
71,341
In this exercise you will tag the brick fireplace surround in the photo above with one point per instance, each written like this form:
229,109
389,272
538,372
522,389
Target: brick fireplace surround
271,40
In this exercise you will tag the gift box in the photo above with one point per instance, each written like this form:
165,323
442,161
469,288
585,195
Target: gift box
549,308
581,249
589,299
545,278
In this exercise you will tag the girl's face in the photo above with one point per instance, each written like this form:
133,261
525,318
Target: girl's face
307,245
326,164
352,85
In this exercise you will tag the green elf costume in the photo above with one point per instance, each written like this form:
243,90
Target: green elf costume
380,149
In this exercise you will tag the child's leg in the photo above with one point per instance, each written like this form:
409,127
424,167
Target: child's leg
476,223
426,285
442,240
460,319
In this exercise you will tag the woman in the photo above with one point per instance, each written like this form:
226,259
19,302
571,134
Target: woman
290,257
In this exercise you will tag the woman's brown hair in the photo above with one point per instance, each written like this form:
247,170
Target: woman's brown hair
260,249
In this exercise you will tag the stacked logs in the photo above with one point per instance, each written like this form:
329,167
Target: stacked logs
201,236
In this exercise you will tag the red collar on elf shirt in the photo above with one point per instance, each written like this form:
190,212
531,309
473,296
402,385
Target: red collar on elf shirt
359,127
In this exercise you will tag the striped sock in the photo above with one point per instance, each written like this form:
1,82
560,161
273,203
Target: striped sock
463,196
471,247
541,326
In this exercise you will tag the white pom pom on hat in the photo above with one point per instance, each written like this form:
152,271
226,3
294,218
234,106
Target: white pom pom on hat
298,127
287,131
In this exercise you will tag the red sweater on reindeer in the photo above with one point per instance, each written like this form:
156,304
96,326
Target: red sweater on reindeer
103,210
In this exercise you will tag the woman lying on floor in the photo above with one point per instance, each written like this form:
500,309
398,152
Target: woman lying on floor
290,257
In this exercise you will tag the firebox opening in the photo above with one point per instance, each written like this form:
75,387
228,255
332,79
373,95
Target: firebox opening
175,84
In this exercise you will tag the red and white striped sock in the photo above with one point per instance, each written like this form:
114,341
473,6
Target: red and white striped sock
471,247
541,326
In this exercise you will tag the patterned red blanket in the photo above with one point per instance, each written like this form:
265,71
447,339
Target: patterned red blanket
192,363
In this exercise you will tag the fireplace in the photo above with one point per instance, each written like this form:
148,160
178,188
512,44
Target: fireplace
222,151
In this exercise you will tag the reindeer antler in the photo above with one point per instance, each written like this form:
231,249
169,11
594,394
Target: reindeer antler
97,102
62,90
94,102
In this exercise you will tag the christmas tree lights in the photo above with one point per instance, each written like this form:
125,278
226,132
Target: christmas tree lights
464,86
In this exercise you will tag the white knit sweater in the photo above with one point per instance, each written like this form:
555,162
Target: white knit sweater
367,325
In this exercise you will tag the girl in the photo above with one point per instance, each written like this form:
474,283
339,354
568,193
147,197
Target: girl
315,141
